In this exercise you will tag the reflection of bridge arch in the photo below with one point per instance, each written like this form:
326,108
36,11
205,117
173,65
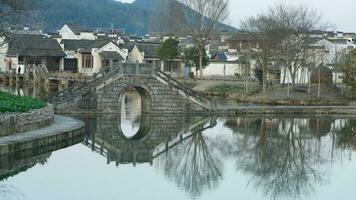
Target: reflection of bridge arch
142,133
143,91
107,140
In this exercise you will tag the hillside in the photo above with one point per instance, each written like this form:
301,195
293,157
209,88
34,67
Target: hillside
50,15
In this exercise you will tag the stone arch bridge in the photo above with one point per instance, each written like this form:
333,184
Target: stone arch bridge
159,93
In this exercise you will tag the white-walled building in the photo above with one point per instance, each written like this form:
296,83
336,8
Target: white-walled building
26,51
3,50
100,56
147,52
222,69
76,32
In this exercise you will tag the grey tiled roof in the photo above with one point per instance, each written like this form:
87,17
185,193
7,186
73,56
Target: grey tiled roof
95,44
245,36
77,28
149,48
110,55
73,45
34,45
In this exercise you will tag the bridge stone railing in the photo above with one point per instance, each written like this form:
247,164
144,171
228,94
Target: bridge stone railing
136,69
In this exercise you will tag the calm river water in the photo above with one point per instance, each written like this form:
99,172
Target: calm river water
139,156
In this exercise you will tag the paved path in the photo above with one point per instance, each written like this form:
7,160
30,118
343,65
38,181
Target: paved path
61,124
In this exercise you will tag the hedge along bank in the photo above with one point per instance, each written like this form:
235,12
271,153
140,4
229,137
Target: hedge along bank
13,103
21,114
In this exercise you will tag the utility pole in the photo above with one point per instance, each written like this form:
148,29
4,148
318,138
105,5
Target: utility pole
112,27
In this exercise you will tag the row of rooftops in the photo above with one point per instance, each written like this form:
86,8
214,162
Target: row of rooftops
77,29
337,37
40,45
35,44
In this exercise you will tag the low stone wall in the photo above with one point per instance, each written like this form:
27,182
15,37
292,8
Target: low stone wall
22,122
289,110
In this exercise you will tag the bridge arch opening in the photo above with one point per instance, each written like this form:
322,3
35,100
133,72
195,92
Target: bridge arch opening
135,104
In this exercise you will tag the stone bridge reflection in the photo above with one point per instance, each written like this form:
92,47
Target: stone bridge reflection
157,134
174,143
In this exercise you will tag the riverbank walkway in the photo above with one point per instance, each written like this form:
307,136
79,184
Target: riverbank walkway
63,128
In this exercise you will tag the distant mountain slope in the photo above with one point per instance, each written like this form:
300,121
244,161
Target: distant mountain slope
50,15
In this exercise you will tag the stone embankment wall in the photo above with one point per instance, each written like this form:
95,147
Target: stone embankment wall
21,122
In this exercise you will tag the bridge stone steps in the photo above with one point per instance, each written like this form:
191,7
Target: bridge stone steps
74,94
199,99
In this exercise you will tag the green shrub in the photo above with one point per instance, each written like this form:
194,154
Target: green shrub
13,103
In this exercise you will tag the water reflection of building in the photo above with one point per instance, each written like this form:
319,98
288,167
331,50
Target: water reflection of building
35,90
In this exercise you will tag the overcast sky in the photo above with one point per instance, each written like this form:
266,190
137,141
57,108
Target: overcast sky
340,13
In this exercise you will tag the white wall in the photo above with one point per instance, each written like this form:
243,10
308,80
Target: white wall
135,56
67,33
87,36
113,47
303,76
222,69
332,49
3,50
96,61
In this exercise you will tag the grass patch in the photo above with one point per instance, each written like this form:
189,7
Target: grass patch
188,83
225,88
13,103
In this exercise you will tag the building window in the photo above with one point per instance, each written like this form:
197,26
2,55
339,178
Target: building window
21,60
87,61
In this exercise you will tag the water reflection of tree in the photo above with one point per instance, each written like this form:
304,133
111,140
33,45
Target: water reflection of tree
346,136
193,165
283,158
10,192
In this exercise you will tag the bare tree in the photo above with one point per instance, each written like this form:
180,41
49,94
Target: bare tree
194,165
201,17
260,30
284,33
295,25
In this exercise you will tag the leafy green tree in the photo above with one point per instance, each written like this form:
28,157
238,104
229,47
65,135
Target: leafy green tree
169,51
192,58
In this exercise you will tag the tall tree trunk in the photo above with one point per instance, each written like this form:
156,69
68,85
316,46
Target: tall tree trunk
264,80
293,75
201,63
284,76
